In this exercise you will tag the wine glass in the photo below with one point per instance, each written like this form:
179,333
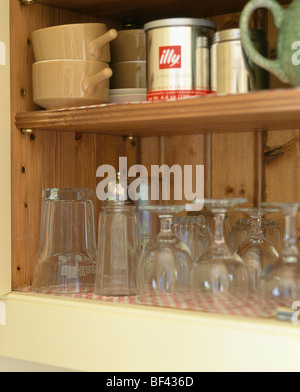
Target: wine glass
281,281
257,252
166,262
219,276
241,231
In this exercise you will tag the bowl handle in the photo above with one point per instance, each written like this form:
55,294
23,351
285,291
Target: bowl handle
96,44
90,83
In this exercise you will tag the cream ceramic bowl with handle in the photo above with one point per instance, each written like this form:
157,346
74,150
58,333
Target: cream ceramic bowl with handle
70,83
82,41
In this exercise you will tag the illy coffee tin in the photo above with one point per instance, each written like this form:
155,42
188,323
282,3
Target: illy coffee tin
178,58
231,71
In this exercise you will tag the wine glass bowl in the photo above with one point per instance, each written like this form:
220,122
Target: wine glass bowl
257,252
220,276
281,281
166,262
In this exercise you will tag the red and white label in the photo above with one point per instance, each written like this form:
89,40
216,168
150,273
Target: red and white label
169,57
155,96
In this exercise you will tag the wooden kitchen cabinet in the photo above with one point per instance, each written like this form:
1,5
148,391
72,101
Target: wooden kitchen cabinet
250,147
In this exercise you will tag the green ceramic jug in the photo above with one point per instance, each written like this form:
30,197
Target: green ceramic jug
287,65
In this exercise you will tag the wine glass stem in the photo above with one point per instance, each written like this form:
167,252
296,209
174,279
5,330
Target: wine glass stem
219,238
166,224
290,242
256,232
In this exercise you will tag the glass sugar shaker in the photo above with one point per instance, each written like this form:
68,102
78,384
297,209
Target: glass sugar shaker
119,245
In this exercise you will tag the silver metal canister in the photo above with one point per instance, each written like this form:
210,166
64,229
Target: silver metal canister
231,71
178,58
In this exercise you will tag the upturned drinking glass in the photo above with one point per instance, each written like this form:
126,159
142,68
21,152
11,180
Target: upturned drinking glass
119,245
166,262
219,276
257,252
66,261
281,282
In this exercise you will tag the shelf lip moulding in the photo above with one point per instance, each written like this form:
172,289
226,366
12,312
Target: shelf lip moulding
262,110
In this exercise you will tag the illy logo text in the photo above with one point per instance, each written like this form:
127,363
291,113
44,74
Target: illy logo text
169,57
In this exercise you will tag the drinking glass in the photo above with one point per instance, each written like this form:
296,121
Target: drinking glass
220,277
257,252
119,250
166,262
281,281
193,232
66,261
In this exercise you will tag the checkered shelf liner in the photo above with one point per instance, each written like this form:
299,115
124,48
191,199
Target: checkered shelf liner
109,104
254,307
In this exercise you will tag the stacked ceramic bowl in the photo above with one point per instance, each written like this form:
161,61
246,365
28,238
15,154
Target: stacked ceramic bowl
128,63
72,65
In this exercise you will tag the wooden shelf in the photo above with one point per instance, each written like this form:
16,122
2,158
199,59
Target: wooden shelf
270,109
143,11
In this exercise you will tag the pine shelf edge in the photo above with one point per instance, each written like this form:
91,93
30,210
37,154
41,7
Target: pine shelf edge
256,111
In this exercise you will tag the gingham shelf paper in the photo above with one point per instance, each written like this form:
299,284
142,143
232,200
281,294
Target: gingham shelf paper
254,306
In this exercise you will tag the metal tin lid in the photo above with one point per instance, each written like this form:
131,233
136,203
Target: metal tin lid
203,42
194,22
235,35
